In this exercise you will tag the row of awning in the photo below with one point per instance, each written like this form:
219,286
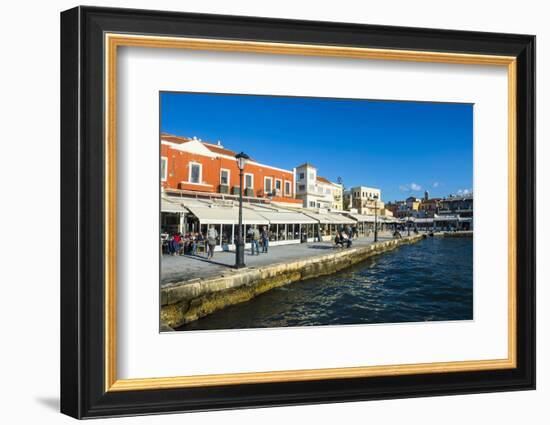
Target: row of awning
287,217
440,218
171,206
371,218
328,218
209,213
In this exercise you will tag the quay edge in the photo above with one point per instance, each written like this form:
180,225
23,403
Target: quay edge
187,301
456,234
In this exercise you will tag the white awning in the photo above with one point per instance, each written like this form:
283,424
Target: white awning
284,217
329,218
225,215
391,219
423,220
362,218
171,206
446,218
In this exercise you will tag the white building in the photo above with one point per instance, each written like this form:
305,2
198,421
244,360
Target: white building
316,191
364,199
338,196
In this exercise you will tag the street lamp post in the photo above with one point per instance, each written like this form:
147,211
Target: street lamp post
239,252
375,220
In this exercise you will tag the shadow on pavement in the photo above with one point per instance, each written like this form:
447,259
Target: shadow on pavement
206,260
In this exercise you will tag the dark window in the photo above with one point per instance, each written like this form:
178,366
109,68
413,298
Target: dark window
195,173
224,178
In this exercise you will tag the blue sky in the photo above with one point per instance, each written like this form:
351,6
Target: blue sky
402,148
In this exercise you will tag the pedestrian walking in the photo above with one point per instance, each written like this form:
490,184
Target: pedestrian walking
170,244
211,238
255,238
265,240
194,242
176,244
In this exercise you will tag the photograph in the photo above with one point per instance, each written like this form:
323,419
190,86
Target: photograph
278,210
287,211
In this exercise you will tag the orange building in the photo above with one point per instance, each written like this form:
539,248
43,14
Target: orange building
202,167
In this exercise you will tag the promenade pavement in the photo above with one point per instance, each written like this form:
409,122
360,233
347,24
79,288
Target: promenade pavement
183,268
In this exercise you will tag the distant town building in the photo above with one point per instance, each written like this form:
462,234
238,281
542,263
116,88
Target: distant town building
316,191
364,199
462,206
453,212
413,203
393,207
338,196
194,167
429,207
410,207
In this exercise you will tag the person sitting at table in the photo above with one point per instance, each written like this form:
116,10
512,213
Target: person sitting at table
338,240
346,239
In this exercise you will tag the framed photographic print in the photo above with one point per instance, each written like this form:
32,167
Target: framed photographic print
261,212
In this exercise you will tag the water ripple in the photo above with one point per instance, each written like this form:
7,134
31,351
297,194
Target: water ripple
427,281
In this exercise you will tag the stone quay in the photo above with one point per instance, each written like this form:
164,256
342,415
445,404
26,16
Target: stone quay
188,300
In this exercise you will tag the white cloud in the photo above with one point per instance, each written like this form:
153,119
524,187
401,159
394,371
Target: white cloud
435,184
462,192
408,187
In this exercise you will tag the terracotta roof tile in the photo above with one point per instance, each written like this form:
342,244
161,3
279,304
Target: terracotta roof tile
306,164
323,180
175,139
212,147
218,149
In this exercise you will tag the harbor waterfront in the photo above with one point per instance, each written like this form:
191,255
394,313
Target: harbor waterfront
185,301
426,281
259,214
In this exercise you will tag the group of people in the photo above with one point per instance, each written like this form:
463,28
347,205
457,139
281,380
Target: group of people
344,237
187,244
179,244
183,244
257,236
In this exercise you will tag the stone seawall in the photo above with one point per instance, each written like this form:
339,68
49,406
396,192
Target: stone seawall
456,234
186,301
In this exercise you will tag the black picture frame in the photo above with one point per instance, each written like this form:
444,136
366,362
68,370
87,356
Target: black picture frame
83,392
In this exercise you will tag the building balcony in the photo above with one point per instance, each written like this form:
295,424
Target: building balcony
270,194
199,187
236,190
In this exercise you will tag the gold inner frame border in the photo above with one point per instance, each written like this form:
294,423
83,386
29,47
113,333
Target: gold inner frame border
113,40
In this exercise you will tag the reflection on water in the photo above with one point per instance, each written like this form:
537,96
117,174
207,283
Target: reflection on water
427,281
